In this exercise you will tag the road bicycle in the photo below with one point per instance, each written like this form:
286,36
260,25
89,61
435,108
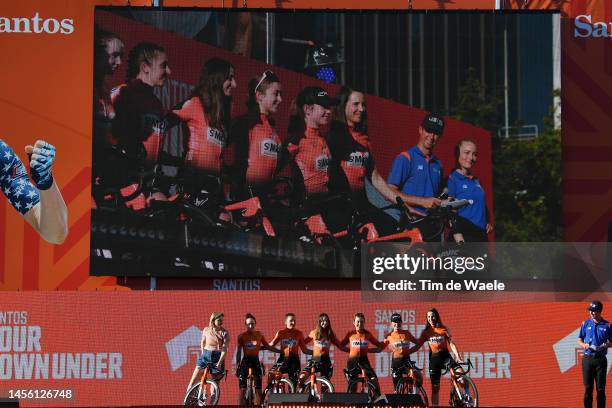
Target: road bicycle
463,392
411,382
206,392
278,383
315,385
359,382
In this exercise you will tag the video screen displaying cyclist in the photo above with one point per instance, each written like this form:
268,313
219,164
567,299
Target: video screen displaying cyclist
140,123
416,174
359,341
250,343
399,341
253,140
441,345
291,342
322,337
214,346
472,224
207,117
352,160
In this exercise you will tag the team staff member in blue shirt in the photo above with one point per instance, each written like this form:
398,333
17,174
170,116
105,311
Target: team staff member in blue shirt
42,206
416,174
595,336
473,221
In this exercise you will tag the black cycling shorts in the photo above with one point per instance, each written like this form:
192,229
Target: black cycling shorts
243,371
437,362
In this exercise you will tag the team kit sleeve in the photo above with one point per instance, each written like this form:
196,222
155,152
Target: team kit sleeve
14,181
400,171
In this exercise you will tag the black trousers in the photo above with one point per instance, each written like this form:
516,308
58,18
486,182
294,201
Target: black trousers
594,368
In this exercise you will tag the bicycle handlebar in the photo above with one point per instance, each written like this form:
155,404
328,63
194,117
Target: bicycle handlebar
467,364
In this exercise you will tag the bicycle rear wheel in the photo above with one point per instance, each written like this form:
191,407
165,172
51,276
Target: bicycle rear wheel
406,386
195,398
371,389
323,386
285,386
469,393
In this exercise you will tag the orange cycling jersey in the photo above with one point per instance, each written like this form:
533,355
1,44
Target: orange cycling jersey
399,342
205,145
312,157
437,337
291,340
264,145
356,165
358,343
251,343
322,345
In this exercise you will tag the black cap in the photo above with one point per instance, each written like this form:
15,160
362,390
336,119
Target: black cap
314,95
396,318
433,123
595,306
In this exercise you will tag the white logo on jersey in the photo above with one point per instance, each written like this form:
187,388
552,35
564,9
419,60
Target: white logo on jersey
251,345
420,167
289,342
359,343
269,147
358,159
322,162
465,186
215,136
322,343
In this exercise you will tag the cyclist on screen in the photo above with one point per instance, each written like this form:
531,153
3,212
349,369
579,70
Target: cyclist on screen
249,344
353,161
359,340
399,341
41,204
207,116
322,338
214,344
291,342
253,140
441,345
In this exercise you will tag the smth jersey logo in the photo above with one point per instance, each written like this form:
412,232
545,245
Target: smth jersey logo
36,25
269,148
322,162
215,136
358,159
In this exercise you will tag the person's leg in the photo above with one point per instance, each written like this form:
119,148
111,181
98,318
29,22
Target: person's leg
588,376
193,377
601,369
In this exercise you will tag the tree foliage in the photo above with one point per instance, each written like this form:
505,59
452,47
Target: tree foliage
526,172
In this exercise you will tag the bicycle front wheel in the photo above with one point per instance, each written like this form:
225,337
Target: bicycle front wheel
468,391
323,385
284,386
196,398
407,386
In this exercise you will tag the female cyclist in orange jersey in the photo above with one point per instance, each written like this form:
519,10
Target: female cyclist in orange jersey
359,340
322,337
399,341
253,141
291,342
249,344
441,345
207,116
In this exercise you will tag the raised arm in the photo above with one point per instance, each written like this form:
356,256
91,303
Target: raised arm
43,206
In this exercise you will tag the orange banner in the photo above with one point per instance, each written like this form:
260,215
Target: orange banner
140,348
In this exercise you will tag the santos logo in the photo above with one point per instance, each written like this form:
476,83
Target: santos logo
180,348
585,28
567,349
36,25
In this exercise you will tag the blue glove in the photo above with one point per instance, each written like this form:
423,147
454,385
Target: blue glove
42,156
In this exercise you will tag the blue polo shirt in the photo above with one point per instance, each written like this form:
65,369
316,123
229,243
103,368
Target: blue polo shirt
468,187
416,174
595,334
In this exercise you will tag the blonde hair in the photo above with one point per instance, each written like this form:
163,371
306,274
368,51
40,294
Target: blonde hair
214,316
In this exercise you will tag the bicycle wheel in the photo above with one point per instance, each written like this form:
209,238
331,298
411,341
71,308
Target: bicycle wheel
195,398
323,386
373,391
285,386
406,386
469,393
